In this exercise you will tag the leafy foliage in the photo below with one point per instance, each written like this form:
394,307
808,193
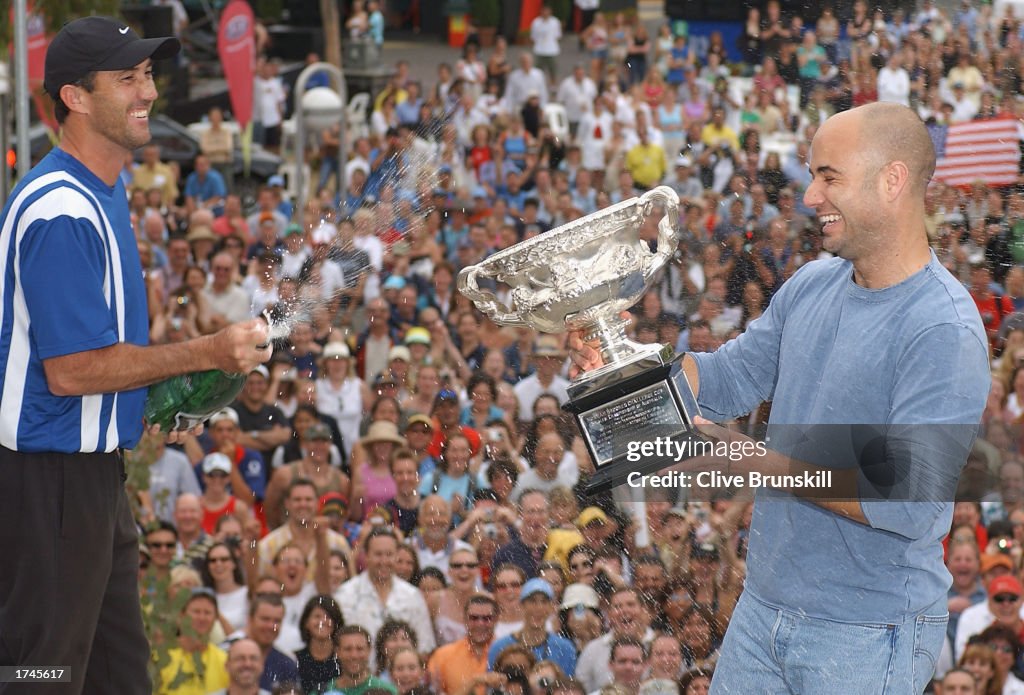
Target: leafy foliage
57,13
486,13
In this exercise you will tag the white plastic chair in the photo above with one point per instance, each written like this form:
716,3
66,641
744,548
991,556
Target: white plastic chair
557,120
356,121
287,170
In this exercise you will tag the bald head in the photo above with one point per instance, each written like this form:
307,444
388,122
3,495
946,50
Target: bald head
892,132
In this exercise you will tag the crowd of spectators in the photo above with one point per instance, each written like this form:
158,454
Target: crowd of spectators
393,505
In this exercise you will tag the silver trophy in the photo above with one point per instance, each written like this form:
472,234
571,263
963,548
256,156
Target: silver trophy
582,276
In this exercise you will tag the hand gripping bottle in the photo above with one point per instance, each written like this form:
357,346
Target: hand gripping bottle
183,402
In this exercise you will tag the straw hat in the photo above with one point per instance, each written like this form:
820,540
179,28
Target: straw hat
382,431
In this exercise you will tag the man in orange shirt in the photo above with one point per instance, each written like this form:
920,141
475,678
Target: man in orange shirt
460,666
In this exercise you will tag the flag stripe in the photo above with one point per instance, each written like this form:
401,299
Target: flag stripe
987,150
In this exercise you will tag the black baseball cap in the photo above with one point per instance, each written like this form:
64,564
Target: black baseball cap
99,43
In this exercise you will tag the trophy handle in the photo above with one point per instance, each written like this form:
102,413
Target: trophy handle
485,300
668,228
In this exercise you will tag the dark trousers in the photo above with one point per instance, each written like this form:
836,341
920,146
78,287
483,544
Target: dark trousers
69,563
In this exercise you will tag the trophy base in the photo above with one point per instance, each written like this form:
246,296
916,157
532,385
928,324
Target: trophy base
621,408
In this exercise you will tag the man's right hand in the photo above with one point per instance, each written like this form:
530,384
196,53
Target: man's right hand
240,347
585,357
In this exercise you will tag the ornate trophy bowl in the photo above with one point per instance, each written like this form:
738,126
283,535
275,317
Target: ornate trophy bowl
581,276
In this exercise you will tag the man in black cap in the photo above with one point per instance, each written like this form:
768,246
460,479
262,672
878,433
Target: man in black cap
74,364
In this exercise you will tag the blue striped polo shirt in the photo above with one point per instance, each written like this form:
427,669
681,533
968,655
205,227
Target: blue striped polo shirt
71,281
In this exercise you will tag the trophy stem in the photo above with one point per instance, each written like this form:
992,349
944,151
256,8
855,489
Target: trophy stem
614,346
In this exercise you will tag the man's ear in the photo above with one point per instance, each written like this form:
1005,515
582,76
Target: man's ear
73,97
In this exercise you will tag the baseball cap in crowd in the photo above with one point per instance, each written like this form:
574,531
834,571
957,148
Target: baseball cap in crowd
536,586
276,180
224,414
292,229
335,350
325,233
480,192
989,561
399,352
334,503
419,419
99,43
445,395
395,282
318,431
579,595
1005,584
216,462
417,335
684,161
385,378
704,551
548,346
261,370
591,515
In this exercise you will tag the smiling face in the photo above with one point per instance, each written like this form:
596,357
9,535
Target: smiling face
245,663
319,624
463,570
220,563
118,106
301,504
842,191
963,563
406,670
354,654
201,613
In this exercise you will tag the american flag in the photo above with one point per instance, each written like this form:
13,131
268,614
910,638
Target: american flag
986,150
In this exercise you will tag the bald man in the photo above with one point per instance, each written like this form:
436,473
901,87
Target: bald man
876,365
193,541
244,667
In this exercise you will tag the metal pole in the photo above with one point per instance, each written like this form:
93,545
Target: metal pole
21,94
5,171
300,128
5,135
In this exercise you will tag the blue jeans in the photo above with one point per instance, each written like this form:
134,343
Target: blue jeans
770,650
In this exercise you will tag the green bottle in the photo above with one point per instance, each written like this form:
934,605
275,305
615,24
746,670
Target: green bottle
183,402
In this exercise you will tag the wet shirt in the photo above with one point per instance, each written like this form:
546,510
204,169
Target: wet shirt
71,282
908,362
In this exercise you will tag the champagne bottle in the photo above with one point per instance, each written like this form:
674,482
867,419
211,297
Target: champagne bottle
183,402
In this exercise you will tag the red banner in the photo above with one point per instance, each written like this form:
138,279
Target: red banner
237,49
37,41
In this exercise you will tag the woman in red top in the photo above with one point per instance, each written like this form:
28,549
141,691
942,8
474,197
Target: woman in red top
216,499
480,152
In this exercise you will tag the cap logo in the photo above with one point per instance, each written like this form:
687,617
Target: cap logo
123,30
